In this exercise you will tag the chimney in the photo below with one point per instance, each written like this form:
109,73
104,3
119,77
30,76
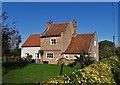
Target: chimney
48,23
74,26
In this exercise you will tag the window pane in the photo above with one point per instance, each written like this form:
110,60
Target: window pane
49,55
94,43
53,41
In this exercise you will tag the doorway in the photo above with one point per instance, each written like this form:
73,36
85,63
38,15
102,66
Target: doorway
37,57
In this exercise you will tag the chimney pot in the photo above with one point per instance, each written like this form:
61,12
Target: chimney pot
48,23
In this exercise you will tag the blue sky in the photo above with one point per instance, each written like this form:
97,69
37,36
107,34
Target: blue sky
31,18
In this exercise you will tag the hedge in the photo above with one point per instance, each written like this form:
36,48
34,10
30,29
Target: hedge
104,71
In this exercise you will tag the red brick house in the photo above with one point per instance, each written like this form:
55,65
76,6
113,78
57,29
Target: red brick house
62,41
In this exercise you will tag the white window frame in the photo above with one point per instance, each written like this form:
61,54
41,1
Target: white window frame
78,55
51,41
49,52
66,55
95,43
27,54
37,55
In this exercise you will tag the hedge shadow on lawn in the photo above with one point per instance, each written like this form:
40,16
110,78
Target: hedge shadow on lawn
7,66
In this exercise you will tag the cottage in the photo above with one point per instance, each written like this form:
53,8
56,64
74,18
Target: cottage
61,41
31,47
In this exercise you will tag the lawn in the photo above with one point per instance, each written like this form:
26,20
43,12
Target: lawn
33,73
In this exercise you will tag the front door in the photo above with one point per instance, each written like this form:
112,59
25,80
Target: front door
37,58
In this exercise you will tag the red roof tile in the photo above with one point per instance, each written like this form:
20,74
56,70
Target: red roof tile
32,41
80,42
55,29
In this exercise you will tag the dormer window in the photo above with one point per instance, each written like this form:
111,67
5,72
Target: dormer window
53,41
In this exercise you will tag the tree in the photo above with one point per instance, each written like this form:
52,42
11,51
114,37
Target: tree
106,43
10,38
106,49
29,58
84,59
117,51
106,52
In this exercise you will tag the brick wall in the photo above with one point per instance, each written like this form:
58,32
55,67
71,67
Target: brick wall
57,54
55,49
62,43
45,43
66,36
95,49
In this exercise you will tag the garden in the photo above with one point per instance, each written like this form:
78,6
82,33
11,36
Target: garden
23,72
106,71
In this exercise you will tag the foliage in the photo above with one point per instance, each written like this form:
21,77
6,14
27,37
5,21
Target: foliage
105,71
74,64
83,59
106,52
117,51
10,38
7,66
106,49
105,43
41,52
15,52
33,73
29,58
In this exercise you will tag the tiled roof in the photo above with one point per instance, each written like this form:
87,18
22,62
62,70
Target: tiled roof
80,42
55,29
32,41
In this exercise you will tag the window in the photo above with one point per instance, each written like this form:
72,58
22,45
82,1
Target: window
53,41
26,54
94,43
50,55
94,55
66,56
37,55
78,55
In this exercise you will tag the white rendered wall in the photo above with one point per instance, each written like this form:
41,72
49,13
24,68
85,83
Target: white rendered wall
30,50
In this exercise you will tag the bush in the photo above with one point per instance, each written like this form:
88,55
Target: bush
29,58
7,66
105,71
72,64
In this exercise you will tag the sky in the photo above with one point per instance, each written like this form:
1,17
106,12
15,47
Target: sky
31,17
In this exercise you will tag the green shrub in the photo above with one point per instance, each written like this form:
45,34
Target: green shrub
105,71
7,66
72,64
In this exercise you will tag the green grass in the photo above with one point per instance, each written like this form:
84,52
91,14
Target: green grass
34,73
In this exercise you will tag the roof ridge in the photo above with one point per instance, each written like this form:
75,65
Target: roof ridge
55,29
60,23
86,33
35,34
